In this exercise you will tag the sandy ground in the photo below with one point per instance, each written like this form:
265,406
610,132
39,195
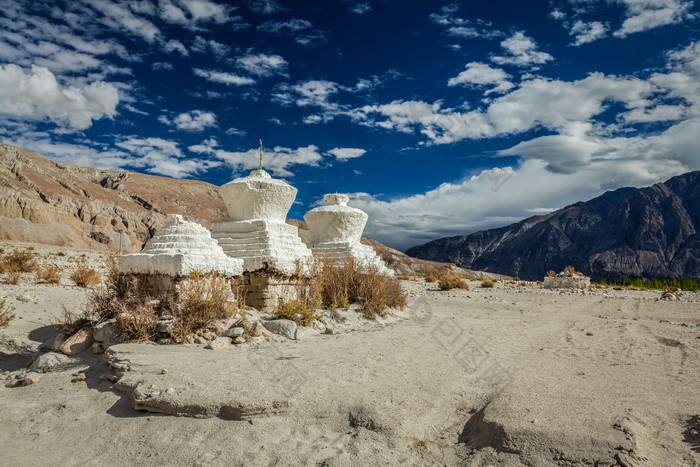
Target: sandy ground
514,375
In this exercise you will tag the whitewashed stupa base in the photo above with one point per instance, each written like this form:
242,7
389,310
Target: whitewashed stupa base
263,244
179,249
363,255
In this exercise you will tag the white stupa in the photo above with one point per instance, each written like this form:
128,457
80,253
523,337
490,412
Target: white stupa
256,232
180,248
335,231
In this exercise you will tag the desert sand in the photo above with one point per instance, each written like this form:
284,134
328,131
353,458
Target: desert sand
510,375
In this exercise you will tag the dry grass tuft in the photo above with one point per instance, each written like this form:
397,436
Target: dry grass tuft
488,283
6,314
332,285
431,275
138,323
299,311
84,276
13,277
200,300
51,274
551,273
452,281
18,261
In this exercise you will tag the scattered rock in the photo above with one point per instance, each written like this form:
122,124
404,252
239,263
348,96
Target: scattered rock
329,330
170,390
58,341
79,377
26,298
78,342
219,343
106,332
319,326
257,330
98,348
298,334
165,341
283,327
166,326
31,378
49,361
240,340
231,332
201,340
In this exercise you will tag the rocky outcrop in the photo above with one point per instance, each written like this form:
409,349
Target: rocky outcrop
648,232
42,201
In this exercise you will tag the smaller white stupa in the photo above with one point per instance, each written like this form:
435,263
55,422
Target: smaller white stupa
335,231
257,232
179,249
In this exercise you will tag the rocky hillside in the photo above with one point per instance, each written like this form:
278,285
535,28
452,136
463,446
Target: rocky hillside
648,232
46,202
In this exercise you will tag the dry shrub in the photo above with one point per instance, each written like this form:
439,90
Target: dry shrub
84,276
551,273
571,271
19,261
13,277
299,311
452,281
6,314
333,284
202,299
488,283
138,323
51,274
431,275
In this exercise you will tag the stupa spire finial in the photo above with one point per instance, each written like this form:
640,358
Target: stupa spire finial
260,168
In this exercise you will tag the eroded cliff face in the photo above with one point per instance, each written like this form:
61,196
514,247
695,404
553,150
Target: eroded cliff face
42,201
648,232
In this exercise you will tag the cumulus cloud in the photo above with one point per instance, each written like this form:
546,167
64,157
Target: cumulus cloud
481,74
360,8
164,157
344,154
263,65
307,93
521,50
37,95
587,32
279,160
642,15
223,77
194,121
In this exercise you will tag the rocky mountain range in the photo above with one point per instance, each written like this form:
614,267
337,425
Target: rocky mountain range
647,232
47,202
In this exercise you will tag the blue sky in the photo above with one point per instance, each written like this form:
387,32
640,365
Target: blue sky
440,118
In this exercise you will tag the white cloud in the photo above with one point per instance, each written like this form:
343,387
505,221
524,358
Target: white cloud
587,32
119,17
196,120
279,161
265,7
38,95
344,154
223,77
278,27
481,74
461,27
361,8
190,13
263,65
164,157
521,51
206,46
642,15
174,45
162,66
308,93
